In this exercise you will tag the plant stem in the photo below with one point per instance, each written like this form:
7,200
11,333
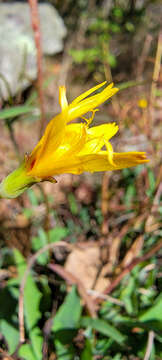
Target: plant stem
37,36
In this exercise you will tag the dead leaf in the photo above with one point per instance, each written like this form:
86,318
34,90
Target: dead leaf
85,263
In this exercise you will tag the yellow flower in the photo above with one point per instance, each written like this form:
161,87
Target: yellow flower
142,103
68,147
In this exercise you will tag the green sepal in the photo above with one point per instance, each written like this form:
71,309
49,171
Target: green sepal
16,182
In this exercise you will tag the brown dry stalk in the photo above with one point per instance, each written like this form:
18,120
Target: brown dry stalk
156,67
104,203
37,37
128,268
144,54
156,72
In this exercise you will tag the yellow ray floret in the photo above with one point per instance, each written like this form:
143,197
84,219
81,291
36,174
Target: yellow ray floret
68,147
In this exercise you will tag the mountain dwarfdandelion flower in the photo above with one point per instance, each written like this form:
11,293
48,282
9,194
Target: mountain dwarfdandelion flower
68,147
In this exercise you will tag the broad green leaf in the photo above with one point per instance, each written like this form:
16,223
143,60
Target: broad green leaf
104,328
15,111
32,297
58,233
65,324
26,352
153,313
68,315
10,333
8,323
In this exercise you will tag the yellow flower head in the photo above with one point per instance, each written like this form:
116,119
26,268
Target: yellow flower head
142,103
68,147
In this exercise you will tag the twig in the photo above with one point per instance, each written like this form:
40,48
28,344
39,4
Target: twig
156,67
143,57
23,283
109,298
45,196
128,268
104,203
37,36
149,345
156,73
77,37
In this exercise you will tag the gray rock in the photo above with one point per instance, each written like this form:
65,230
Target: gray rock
17,47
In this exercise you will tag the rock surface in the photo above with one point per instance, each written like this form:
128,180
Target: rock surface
17,47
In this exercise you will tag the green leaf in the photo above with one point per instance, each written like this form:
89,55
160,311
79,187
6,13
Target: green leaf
130,194
104,328
152,183
54,235
73,204
65,325
64,352
26,352
10,333
32,297
15,111
87,352
126,295
33,198
8,323
58,233
68,315
37,243
154,313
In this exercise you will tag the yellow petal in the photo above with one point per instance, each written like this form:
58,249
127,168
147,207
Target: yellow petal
80,108
129,159
88,92
110,153
89,162
51,139
62,98
104,130
92,146
100,162
73,141
97,137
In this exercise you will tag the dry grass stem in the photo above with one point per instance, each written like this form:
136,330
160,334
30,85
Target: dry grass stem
149,345
128,268
37,36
